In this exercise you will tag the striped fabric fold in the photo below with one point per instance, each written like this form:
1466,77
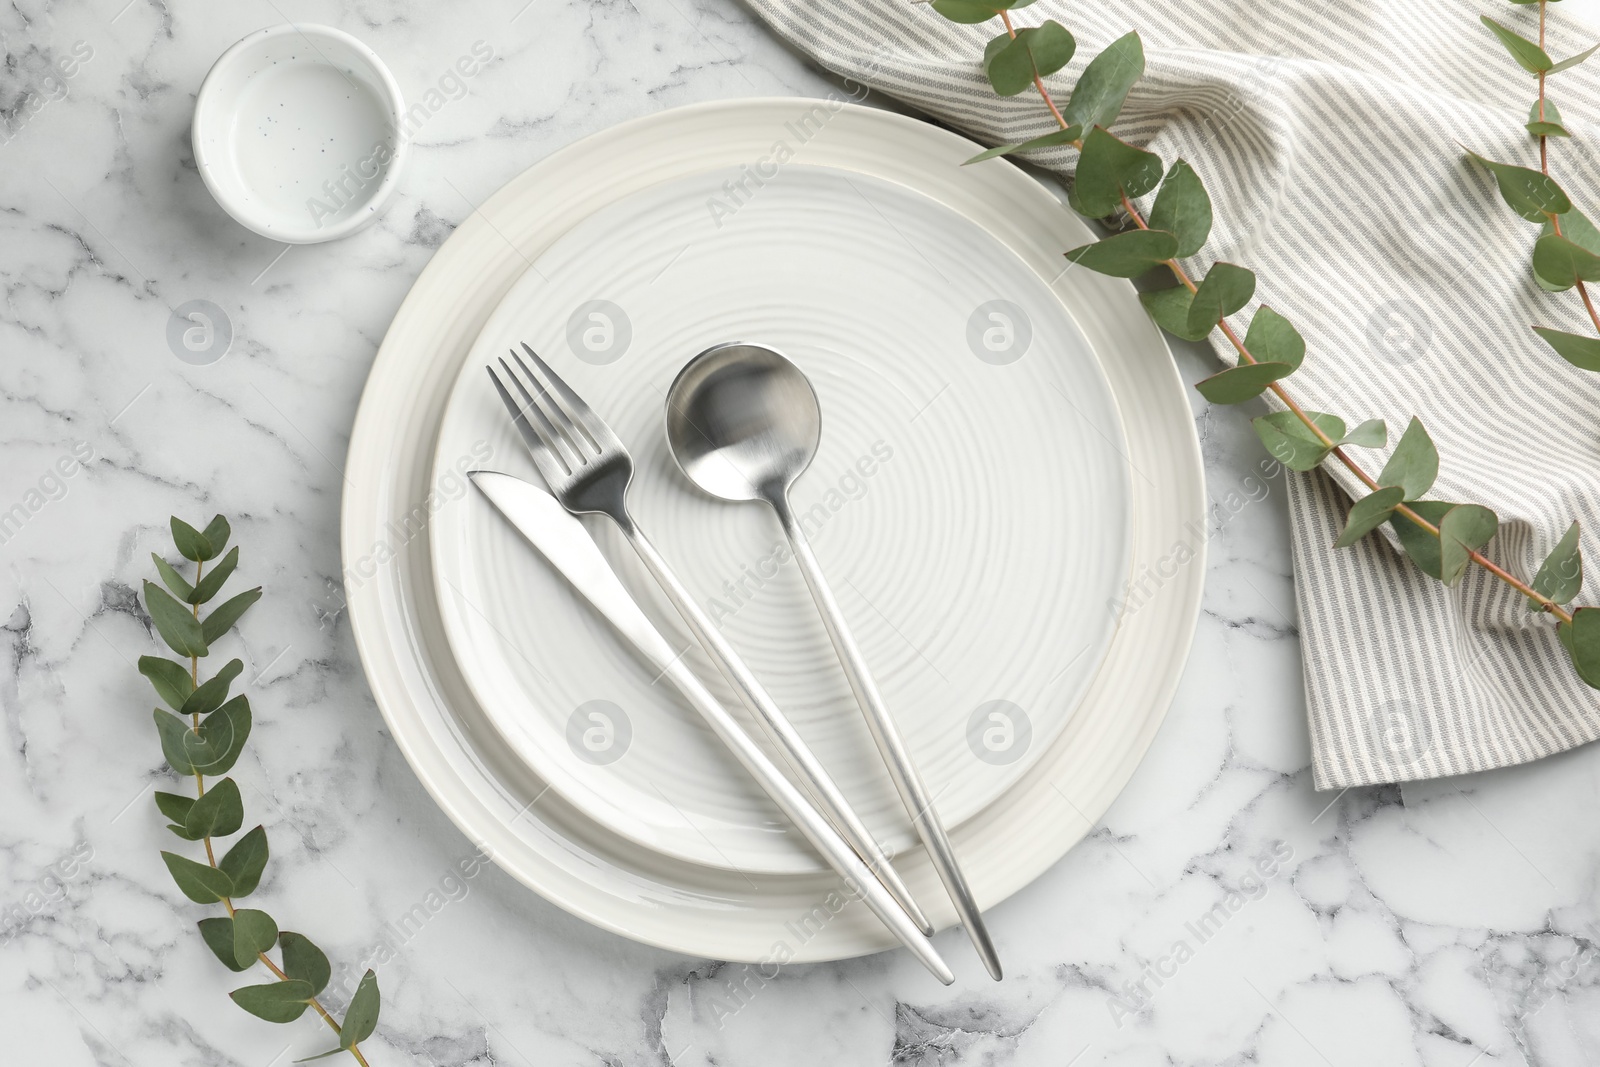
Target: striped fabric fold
1330,137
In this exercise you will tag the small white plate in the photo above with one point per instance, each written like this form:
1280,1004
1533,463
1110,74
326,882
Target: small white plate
969,503
297,133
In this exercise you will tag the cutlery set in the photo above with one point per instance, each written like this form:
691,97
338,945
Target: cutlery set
743,423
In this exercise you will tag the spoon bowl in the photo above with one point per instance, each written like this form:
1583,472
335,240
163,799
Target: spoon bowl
743,422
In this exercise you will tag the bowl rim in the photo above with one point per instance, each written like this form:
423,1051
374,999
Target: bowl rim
208,108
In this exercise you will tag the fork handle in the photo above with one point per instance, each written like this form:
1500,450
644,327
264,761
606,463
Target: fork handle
813,778
896,757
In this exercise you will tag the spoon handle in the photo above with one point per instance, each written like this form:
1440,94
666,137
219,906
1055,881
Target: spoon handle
890,745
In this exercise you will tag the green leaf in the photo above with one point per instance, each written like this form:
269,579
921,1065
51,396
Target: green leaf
176,582
362,1016
304,960
1414,464
218,934
1049,140
1368,513
175,623
1464,528
1103,86
223,734
172,681
1127,254
1529,193
245,861
1563,262
1580,351
200,882
1573,61
1292,443
1244,382
1420,545
971,12
1012,63
1550,124
1226,289
253,933
216,534
1373,433
178,741
1582,639
1183,209
224,615
192,544
1560,576
1170,309
1107,169
1528,55
1273,339
174,806
217,812
211,583
213,692
276,1002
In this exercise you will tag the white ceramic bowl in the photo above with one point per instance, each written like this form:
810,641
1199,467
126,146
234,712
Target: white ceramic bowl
298,133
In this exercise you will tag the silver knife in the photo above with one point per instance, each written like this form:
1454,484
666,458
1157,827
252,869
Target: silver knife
567,544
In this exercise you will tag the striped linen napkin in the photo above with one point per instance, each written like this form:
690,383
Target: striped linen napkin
1330,137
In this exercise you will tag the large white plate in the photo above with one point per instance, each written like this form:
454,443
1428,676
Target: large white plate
969,502
529,829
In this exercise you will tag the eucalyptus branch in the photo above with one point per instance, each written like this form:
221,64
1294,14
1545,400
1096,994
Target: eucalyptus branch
1441,538
1567,252
204,734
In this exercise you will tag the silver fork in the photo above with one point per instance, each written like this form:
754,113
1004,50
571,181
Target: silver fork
588,470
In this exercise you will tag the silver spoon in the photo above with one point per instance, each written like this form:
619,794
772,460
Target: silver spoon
743,423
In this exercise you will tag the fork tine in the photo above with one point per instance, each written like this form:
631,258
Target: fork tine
551,463
553,426
574,405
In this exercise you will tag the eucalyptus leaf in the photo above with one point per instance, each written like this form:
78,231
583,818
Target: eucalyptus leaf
1183,209
1529,193
211,584
192,544
1577,349
179,742
1103,86
276,1002
1560,576
1292,443
1575,227
200,882
253,933
175,623
174,806
222,736
224,615
172,681
216,534
245,861
1011,63
1528,55
1127,254
1582,639
1244,382
304,960
1550,124
174,581
361,1018
1373,433
1563,262
213,691
217,812
1170,310
1414,464
218,934
1108,169
1273,339
1368,513
1049,140
975,11
1225,289
1465,528
1421,546
1573,61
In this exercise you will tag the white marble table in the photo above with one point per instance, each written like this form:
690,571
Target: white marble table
1447,923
